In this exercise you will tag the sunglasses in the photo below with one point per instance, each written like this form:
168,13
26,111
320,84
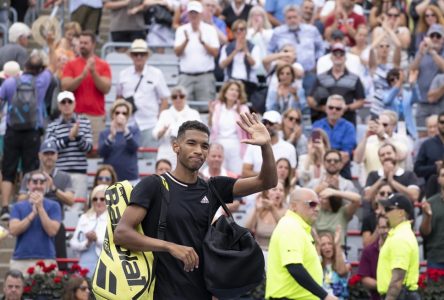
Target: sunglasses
384,194
139,54
66,101
293,119
332,161
337,108
241,29
95,199
393,15
312,204
267,123
384,46
84,288
38,180
120,113
441,122
435,36
338,53
429,15
174,97
390,208
104,178
393,79
385,124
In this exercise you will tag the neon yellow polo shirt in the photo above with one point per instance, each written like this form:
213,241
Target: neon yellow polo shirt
400,251
291,243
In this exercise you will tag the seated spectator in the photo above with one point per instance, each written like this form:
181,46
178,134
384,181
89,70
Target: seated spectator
90,230
401,100
34,221
253,157
292,131
284,95
236,10
369,258
240,57
118,144
341,133
162,166
215,163
286,175
170,120
402,181
223,118
13,285
73,136
106,175
310,14
311,165
429,16
334,265
16,48
370,211
77,288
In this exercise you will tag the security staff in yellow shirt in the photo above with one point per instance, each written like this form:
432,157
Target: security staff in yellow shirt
294,269
398,264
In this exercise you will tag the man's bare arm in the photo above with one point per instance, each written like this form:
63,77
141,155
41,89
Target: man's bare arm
395,286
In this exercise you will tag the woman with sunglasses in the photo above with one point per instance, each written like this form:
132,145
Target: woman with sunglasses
169,122
292,131
105,174
119,143
378,12
90,230
429,16
77,288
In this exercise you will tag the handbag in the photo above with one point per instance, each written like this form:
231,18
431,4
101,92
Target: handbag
131,99
233,263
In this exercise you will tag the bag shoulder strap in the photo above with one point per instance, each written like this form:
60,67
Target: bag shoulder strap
137,86
215,194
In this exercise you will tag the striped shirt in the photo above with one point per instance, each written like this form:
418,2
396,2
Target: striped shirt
72,154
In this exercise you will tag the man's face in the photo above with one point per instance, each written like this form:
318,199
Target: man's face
387,154
215,158
86,45
209,7
192,149
13,288
387,124
292,19
441,178
332,164
338,58
441,125
271,127
437,40
335,110
307,10
307,206
139,59
348,4
48,159
432,126
194,16
37,183
66,107
383,228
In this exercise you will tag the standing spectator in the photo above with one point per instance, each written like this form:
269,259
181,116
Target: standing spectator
338,80
15,50
291,259
436,92
379,11
118,144
292,131
432,130
22,137
276,10
305,38
369,259
431,15
341,133
72,135
429,60
197,45
105,175
344,19
87,13
127,22
145,87
223,123
162,166
90,230
402,181
89,78
13,285
398,271
236,10
67,48
35,222
432,226
169,122
210,9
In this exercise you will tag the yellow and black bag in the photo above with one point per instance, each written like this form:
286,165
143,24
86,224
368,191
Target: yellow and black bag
121,273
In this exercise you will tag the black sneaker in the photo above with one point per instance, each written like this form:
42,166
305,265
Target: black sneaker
4,215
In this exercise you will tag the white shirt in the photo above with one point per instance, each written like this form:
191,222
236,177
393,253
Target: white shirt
329,7
352,63
227,124
89,222
239,70
195,58
282,149
149,94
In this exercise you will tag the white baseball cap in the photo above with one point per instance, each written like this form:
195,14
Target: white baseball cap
272,116
65,95
194,6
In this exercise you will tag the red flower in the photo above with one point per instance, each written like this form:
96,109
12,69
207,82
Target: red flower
46,270
30,270
41,263
27,289
355,279
57,279
52,267
422,281
84,272
75,268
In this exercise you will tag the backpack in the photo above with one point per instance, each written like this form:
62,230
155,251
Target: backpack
22,109
121,273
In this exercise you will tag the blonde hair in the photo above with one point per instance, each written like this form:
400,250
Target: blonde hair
121,102
422,25
258,9
73,26
97,189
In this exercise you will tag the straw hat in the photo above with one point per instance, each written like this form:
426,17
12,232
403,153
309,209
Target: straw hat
42,26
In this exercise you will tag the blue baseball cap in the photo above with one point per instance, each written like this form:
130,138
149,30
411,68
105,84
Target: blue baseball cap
48,146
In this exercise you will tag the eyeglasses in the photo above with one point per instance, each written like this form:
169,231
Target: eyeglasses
332,161
120,113
390,208
393,15
338,53
174,97
101,199
104,178
66,101
441,122
384,46
241,29
337,108
384,194
38,180
429,15
392,79
293,119
435,36
84,288
267,123
312,204
139,54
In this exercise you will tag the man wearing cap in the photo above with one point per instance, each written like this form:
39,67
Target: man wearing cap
34,222
294,270
281,149
196,45
60,188
72,135
15,50
89,78
398,262
145,87
429,60
338,80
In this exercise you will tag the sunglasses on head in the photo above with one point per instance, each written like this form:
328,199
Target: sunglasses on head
101,199
104,178
337,108
267,123
66,101
38,180
312,204
293,119
177,96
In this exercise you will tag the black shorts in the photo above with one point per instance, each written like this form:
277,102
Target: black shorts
128,36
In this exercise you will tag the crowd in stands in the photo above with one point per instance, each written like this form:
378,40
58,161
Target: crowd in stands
350,91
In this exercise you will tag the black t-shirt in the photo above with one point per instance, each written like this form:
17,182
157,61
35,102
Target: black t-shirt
231,17
407,178
189,210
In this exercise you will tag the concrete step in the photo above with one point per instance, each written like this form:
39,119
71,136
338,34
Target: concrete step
5,255
8,243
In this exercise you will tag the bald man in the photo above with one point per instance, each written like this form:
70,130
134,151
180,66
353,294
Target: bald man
294,270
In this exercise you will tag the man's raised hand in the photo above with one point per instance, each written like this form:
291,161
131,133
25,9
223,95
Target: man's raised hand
256,130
